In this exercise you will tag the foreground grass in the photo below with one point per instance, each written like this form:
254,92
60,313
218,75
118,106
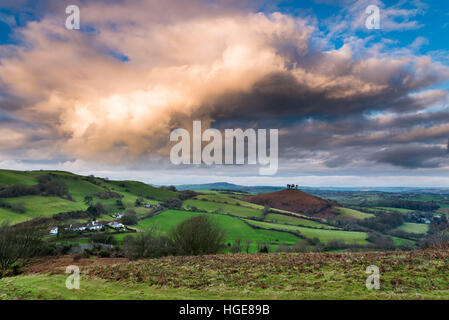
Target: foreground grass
403,275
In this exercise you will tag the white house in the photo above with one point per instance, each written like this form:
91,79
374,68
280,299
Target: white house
147,205
54,231
95,226
91,226
116,225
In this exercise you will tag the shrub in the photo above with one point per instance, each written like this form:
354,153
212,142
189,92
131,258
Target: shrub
172,203
263,247
119,204
237,246
247,245
301,246
129,218
283,248
79,256
335,245
147,245
314,241
18,207
96,210
139,201
104,238
198,235
104,253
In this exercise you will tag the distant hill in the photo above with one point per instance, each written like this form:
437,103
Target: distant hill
295,201
312,190
228,186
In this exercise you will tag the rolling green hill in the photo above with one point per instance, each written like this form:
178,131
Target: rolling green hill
240,219
235,228
79,187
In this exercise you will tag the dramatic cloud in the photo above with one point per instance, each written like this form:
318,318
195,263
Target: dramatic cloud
113,91
412,156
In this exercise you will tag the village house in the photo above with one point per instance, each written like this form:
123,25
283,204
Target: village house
147,205
76,228
116,225
54,231
95,226
91,226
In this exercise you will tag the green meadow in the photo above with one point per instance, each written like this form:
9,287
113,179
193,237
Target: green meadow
323,235
235,228
209,206
414,227
351,213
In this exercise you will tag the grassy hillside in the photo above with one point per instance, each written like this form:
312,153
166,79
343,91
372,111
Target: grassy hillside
209,206
355,214
235,228
26,178
221,198
324,235
404,275
278,225
293,220
79,187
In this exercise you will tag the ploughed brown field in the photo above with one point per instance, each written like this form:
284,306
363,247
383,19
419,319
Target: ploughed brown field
295,201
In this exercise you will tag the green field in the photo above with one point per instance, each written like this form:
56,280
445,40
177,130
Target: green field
286,219
324,235
401,241
229,200
394,209
351,213
210,206
235,228
414,227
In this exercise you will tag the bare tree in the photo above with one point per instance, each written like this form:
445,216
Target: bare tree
18,244
247,245
237,246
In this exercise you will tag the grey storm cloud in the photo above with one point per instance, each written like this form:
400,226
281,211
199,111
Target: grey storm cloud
413,156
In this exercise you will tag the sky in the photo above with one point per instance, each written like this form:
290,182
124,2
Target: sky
354,106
